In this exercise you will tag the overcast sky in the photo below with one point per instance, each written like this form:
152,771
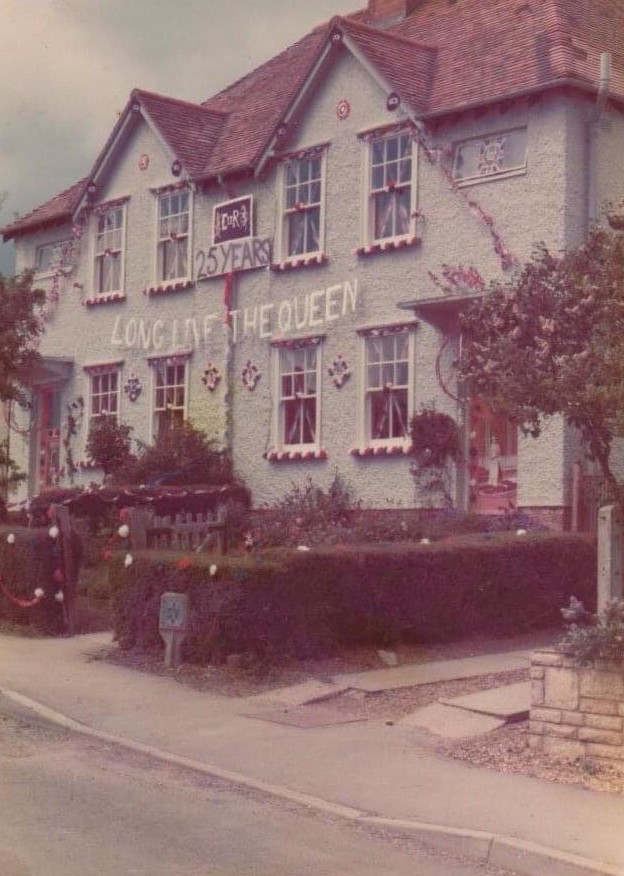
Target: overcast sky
67,68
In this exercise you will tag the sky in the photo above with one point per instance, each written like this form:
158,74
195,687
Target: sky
67,68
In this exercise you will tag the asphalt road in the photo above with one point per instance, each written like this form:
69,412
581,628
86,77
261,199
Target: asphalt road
70,806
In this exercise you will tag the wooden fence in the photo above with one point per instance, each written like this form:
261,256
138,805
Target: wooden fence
184,532
589,493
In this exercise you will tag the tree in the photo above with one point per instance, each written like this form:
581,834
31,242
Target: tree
108,444
550,341
20,327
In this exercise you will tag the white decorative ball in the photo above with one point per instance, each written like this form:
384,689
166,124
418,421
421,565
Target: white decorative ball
39,593
53,532
11,538
59,596
425,541
521,532
128,560
213,570
124,530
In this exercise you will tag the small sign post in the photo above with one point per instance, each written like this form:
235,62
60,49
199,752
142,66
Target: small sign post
173,625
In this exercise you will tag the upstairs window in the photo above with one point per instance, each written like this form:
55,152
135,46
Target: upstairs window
390,187
173,236
109,250
49,257
302,231
298,414
495,155
387,404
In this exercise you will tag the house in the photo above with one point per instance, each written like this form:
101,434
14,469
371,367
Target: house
269,263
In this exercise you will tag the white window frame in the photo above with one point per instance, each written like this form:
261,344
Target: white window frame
366,430
56,262
491,136
299,393
101,252
286,212
156,367
368,207
161,240
97,375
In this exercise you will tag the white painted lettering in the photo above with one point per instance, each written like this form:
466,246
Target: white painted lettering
130,335
265,320
143,335
316,317
284,316
331,303
209,318
116,338
250,321
233,314
350,296
301,316
157,334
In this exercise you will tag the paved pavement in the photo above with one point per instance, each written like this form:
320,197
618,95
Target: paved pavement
369,771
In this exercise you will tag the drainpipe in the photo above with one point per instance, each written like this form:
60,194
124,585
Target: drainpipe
593,132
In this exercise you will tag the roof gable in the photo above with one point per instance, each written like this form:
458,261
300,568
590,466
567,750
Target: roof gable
441,58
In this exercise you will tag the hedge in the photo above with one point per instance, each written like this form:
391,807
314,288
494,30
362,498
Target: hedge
27,562
286,602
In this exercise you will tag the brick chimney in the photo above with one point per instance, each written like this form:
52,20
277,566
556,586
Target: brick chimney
384,12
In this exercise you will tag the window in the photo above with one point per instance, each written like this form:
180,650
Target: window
173,236
105,393
109,243
390,187
49,257
303,205
494,155
169,395
298,369
387,386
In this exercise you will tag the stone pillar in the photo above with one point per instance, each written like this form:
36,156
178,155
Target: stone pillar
610,554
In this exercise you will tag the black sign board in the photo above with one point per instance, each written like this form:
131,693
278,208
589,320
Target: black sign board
233,220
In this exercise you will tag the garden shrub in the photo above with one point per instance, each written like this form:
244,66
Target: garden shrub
591,637
284,602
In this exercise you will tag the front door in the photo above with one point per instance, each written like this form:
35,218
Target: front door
49,438
492,460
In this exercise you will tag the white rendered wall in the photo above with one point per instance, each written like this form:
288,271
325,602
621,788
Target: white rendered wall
544,204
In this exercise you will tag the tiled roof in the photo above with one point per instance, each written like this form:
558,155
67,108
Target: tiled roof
443,57
57,209
191,130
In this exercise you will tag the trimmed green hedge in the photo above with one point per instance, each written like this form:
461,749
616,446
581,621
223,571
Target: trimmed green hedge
285,602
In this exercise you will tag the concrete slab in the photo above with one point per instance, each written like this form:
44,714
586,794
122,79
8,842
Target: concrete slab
428,673
303,717
509,703
309,691
450,722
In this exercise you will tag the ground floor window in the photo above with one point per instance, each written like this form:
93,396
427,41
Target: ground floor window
493,459
387,385
170,395
105,393
298,366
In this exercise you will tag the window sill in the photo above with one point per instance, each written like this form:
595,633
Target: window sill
382,450
167,288
106,298
295,455
304,261
387,246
